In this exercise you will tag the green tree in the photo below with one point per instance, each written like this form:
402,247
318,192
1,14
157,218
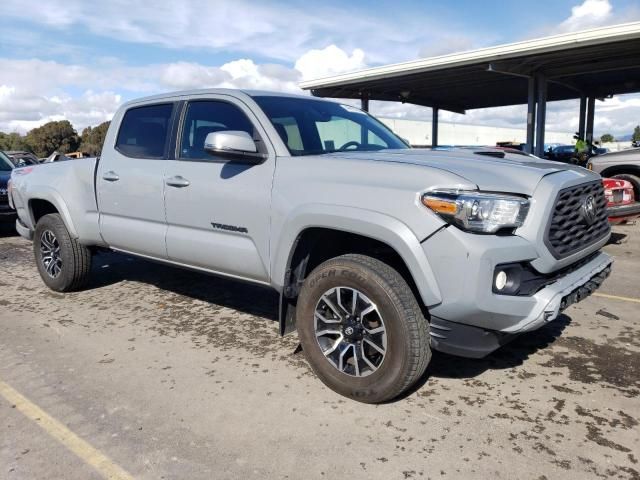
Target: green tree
93,138
57,136
13,141
636,134
607,137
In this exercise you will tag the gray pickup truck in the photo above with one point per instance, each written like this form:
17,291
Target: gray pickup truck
380,252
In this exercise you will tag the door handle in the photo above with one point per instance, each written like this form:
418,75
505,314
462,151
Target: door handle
177,181
110,176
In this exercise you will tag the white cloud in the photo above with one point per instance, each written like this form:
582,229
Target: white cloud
329,61
282,31
22,112
244,73
590,13
184,76
34,91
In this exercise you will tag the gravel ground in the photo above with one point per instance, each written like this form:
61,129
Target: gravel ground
177,375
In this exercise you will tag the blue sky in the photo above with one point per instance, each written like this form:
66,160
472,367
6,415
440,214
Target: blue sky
79,60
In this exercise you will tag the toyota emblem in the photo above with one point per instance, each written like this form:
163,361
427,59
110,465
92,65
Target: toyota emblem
589,210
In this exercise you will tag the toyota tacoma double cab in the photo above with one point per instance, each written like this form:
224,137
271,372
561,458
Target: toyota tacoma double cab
380,252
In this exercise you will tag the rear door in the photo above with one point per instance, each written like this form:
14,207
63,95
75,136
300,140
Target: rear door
218,210
130,181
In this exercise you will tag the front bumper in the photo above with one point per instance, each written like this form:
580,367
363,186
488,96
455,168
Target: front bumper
473,321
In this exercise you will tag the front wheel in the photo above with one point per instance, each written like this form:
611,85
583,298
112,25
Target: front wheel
63,263
362,329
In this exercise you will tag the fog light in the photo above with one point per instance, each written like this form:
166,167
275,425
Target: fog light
508,277
501,280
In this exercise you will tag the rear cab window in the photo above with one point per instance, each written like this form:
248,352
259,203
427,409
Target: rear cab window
144,131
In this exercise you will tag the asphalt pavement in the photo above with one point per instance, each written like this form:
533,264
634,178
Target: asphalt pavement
158,373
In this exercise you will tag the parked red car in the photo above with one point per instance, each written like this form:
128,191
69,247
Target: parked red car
621,202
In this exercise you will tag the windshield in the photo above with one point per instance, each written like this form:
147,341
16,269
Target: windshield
5,164
312,127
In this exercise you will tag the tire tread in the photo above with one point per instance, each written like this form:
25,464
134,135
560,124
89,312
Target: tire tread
80,255
416,326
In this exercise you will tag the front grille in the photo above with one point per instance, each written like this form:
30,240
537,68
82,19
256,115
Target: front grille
569,230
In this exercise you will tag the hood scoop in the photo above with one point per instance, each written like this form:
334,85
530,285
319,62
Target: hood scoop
490,153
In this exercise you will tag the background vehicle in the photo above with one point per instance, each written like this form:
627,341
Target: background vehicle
380,252
623,165
21,158
77,155
600,150
567,154
562,153
56,157
7,214
621,201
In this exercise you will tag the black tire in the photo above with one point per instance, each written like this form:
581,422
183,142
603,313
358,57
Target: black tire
407,331
74,258
635,181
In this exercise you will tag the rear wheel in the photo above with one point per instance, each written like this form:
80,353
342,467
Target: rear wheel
63,263
635,181
362,329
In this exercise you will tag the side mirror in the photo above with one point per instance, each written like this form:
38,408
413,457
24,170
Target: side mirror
234,144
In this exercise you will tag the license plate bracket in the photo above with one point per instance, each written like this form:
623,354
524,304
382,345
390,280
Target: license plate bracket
584,290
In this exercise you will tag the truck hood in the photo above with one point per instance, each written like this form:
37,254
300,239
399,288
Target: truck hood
514,173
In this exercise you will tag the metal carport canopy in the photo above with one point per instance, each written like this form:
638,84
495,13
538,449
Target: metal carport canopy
595,63
591,64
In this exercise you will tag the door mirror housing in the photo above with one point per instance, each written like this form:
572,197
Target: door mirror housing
233,144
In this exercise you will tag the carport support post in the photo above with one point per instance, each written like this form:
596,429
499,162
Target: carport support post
531,114
434,126
364,102
591,111
541,117
583,110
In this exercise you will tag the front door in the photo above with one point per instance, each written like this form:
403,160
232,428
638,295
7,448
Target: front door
130,182
218,210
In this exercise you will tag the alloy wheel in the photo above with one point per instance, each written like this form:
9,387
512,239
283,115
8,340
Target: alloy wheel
50,250
350,331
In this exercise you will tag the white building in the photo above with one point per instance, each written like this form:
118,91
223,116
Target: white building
418,132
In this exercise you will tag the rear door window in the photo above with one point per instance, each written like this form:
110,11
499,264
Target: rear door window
144,131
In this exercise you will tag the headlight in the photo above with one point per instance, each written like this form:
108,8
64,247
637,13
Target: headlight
477,211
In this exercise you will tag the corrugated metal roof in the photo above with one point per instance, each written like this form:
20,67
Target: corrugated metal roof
600,61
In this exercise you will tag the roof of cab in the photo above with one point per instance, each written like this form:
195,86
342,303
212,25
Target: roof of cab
219,91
